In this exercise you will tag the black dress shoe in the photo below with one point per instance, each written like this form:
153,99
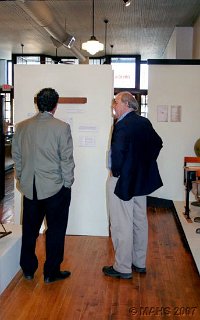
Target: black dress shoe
139,270
111,272
61,275
28,276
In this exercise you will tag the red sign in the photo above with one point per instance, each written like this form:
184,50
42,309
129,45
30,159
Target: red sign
6,87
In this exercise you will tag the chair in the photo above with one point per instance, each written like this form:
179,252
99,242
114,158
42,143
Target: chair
191,181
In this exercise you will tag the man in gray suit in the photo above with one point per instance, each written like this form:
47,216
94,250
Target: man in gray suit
42,150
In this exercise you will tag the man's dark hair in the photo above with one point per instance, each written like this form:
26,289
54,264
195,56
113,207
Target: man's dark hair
47,99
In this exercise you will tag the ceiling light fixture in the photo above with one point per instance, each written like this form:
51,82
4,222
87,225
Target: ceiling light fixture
127,3
92,46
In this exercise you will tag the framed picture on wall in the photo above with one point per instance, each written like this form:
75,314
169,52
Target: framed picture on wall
175,115
162,113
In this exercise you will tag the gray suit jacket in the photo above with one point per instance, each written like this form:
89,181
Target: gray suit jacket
42,147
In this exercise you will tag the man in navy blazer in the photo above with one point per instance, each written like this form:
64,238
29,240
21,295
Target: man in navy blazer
135,146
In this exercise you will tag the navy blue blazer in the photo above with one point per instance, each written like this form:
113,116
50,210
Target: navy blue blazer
135,146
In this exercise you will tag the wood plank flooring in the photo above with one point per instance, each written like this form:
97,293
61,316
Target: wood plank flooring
169,290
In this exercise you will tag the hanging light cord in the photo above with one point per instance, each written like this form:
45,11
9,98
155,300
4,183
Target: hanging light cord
93,18
106,23
22,49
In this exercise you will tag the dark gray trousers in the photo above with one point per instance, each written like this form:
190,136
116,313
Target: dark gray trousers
55,209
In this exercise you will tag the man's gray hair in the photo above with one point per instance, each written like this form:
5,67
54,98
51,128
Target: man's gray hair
127,97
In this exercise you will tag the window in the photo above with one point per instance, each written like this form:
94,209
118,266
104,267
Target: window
144,105
7,107
48,60
143,76
7,112
124,72
56,60
9,73
95,61
28,60
143,88
69,61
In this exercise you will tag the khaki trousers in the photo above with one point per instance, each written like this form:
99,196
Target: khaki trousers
129,229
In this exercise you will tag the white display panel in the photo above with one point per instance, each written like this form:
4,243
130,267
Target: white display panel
90,125
175,86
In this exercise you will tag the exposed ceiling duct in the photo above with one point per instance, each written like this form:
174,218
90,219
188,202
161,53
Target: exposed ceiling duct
42,15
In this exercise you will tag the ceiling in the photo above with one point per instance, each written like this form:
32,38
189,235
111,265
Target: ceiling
143,28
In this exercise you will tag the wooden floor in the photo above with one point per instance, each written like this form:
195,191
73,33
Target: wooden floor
169,290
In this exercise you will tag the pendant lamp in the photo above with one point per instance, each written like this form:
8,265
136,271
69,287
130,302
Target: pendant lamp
127,3
92,46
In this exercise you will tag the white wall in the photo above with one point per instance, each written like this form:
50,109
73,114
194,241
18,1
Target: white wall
196,40
88,214
184,42
180,45
170,51
175,85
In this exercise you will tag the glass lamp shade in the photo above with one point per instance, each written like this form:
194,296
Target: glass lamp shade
92,46
127,3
